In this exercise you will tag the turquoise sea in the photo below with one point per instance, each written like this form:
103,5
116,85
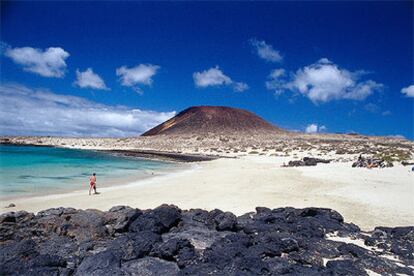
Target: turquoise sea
29,170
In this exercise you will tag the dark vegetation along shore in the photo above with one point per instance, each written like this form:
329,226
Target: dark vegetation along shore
170,241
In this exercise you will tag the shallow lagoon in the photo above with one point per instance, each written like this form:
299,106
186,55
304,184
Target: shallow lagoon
29,170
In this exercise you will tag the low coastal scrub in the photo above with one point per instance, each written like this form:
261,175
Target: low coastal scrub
170,241
394,155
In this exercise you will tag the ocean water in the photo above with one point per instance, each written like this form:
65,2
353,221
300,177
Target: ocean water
27,170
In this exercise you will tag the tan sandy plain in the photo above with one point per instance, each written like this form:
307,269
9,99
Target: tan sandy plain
368,198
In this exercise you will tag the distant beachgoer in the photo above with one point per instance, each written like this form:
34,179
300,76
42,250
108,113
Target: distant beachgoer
92,183
370,164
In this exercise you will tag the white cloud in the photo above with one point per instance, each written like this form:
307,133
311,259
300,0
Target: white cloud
276,81
240,86
88,79
324,81
408,91
215,77
211,77
47,63
276,73
322,128
3,47
266,51
28,111
314,128
139,75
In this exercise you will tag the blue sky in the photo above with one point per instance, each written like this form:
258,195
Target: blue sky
117,68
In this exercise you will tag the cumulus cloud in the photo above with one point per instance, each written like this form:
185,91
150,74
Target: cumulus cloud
139,75
325,81
314,128
408,91
26,111
265,51
211,77
89,79
215,77
47,63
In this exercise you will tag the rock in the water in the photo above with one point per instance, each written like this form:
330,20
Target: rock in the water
11,205
169,241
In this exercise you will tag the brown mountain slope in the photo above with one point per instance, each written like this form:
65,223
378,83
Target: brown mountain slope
214,120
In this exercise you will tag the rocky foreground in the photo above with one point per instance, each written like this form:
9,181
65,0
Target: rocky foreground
169,241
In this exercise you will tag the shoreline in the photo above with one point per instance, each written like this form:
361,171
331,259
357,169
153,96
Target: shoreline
241,176
143,154
113,182
240,185
109,181
133,182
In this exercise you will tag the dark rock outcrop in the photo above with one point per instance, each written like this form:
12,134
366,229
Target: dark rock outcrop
363,162
169,241
407,163
307,161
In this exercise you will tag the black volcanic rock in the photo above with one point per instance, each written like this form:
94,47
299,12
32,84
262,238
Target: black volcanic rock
150,266
218,120
159,220
169,241
307,161
103,263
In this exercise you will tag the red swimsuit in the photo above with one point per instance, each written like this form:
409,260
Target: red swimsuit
92,181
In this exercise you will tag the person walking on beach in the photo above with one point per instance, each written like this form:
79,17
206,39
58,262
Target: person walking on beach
92,183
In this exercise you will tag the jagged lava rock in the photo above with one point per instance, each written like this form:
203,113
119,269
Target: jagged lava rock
170,241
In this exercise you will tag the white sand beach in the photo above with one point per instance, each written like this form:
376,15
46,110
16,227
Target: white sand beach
368,198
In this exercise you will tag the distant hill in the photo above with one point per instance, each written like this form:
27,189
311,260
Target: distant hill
219,120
